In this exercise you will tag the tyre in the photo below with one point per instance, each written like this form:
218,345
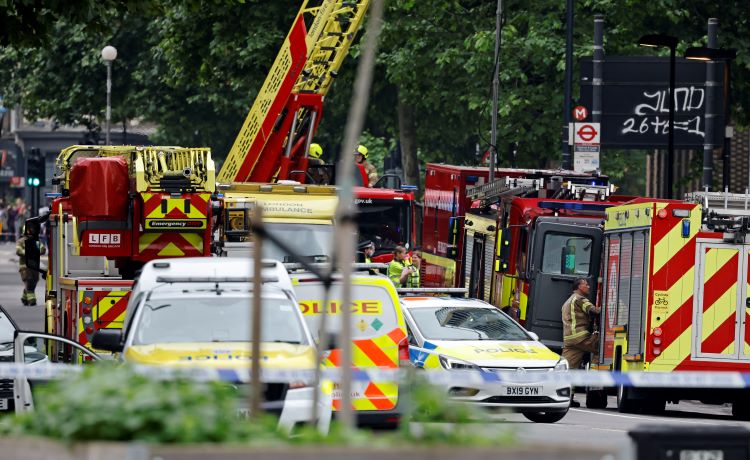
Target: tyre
654,406
625,402
741,410
545,417
596,399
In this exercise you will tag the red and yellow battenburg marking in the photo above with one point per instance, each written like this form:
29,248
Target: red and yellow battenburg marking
379,352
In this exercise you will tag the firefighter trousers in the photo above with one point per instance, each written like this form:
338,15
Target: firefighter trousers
575,352
30,278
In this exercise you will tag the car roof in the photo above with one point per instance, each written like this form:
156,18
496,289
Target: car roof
202,290
443,301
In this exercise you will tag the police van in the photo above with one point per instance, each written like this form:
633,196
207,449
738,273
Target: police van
379,339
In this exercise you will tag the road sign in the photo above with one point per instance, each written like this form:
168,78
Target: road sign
586,133
586,147
580,113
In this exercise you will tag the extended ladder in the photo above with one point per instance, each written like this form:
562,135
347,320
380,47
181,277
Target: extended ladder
490,193
276,135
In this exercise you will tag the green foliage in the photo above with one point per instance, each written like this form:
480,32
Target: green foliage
107,402
194,67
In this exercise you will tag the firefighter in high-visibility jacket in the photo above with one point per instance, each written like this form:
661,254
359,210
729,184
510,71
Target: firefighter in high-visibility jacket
29,277
402,271
576,318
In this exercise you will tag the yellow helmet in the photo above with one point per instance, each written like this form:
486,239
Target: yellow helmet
361,150
316,151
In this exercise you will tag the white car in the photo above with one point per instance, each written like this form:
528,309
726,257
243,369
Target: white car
450,334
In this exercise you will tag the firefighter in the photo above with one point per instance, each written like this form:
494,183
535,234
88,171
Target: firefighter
360,156
315,155
29,277
402,271
576,319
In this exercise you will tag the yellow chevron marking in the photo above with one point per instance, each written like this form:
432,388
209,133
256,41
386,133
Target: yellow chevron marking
146,239
171,250
715,259
194,239
678,294
722,309
675,353
178,204
673,241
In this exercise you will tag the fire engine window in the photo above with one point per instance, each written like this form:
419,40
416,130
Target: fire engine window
385,223
626,259
566,254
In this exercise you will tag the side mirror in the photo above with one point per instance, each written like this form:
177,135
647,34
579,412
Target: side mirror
107,340
534,336
452,250
502,261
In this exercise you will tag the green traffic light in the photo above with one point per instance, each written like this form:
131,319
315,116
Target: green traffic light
35,182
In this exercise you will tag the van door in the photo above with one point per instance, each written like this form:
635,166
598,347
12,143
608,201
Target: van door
560,253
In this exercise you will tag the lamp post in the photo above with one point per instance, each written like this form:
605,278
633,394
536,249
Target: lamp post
666,41
727,55
109,54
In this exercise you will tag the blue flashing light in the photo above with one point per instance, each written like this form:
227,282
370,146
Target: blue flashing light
575,206
52,195
409,187
685,228
472,179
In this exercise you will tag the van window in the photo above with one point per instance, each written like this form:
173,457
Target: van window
374,313
566,254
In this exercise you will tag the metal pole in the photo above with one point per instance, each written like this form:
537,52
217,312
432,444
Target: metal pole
495,89
109,100
670,144
568,102
256,315
346,228
598,70
727,150
710,115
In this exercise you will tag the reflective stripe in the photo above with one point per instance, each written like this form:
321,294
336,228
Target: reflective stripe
576,335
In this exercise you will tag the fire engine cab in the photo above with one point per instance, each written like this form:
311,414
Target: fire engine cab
675,295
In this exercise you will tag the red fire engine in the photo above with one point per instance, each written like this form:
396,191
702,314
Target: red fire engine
117,208
675,295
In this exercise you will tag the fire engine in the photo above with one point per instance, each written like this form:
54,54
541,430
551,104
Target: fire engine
518,242
118,207
675,295
274,141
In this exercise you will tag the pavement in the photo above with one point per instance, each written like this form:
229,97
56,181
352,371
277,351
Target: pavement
11,288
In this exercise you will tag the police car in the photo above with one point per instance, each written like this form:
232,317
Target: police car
195,313
452,334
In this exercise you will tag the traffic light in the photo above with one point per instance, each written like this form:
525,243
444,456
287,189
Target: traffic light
36,169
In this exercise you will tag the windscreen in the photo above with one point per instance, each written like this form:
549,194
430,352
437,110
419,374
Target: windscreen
384,222
220,318
466,323
312,241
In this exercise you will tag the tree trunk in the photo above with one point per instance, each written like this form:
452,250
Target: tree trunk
407,134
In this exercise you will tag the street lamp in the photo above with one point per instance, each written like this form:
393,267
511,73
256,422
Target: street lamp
703,53
666,41
109,54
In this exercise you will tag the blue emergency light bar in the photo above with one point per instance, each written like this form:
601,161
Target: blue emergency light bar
409,188
576,206
52,195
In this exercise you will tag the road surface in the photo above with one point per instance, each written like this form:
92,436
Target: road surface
11,288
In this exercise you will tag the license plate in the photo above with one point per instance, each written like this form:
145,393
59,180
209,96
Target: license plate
4,404
523,391
701,455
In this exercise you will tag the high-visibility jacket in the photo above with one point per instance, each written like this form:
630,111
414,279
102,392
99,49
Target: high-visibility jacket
394,273
575,318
